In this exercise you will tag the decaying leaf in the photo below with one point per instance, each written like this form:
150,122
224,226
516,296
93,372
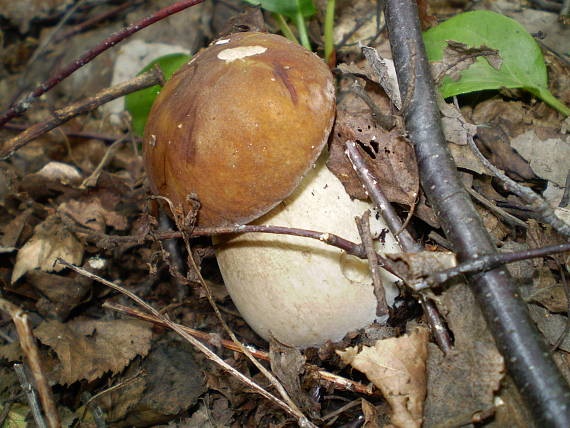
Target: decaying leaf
388,155
88,348
93,214
50,241
397,366
547,291
385,73
462,383
288,364
419,265
455,127
458,57
167,382
548,158
551,325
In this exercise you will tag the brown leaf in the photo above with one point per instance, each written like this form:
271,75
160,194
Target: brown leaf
50,241
397,366
462,383
458,57
288,364
419,265
547,291
91,213
390,158
88,348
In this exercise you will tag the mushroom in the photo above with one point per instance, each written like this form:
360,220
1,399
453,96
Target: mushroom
239,127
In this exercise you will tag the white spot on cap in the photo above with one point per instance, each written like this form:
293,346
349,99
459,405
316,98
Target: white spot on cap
240,52
222,42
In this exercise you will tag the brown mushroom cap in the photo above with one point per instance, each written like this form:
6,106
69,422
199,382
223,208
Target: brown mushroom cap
239,126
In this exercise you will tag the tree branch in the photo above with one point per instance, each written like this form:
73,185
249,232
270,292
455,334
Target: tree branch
526,354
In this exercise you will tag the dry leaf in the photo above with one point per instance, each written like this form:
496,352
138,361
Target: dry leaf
548,291
91,213
458,57
397,366
549,158
288,364
50,241
88,348
462,383
419,265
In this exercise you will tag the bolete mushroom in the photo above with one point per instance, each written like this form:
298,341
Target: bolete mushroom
239,127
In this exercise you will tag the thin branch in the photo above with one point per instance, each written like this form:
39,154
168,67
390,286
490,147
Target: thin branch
23,105
407,243
535,202
150,78
363,225
489,262
30,349
337,381
526,354
30,393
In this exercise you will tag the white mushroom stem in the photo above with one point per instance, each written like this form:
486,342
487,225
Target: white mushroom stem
300,291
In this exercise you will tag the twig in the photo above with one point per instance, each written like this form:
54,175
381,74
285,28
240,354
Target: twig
28,389
526,354
150,78
30,349
302,420
537,204
567,293
67,132
112,40
407,243
94,21
363,225
115,387
351,248
91,181
338,382
509,218
489,262
386,121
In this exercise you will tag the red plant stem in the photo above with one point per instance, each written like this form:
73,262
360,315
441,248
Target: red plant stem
112,40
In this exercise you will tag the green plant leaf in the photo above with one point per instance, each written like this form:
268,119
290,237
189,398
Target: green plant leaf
522,61
289,8
139,103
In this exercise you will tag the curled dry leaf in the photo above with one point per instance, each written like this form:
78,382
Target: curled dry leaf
88,348
458,56
397,366
50,241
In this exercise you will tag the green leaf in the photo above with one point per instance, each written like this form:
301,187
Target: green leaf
139,103
522,67
289,8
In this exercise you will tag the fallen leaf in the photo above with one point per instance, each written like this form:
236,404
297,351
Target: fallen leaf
51,240
462,383
92,214
288,364
88,348
458,56
419,265
397,366
551,325
549,158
